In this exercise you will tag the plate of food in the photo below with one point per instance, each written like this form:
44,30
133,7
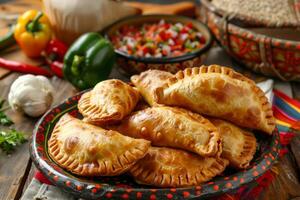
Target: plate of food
199,133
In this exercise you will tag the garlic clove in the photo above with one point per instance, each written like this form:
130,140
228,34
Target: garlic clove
30,94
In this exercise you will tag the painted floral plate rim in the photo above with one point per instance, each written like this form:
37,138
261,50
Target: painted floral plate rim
123,187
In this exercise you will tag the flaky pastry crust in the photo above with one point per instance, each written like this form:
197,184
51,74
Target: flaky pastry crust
110,101
220,92
239,145
167,167
173,127
88,150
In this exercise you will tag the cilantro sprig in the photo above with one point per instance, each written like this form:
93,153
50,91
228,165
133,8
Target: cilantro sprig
10,139
4,119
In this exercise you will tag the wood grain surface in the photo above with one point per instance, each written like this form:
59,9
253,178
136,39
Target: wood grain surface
13,169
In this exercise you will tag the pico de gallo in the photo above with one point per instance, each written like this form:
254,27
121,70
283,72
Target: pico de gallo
158,40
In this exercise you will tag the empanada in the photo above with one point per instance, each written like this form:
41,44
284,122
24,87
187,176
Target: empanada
108,102
173,127
166,167
239,146
88,150
220,92
149,82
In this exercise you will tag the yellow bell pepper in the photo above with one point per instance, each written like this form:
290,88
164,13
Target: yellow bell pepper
33,32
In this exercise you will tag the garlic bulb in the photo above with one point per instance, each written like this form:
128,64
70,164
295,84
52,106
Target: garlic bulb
71,18
31,94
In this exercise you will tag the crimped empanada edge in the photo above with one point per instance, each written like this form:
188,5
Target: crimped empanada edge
206,174
154,94
94,114
214,142
265,105
247,153
67,162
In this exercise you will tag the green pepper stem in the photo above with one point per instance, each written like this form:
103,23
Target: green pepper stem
75,68
33,26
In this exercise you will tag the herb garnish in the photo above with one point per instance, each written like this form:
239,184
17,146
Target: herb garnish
4,120
10,139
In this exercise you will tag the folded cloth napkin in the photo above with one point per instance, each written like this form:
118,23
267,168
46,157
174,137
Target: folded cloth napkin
286,111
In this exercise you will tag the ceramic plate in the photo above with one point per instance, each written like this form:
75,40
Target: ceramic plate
124,187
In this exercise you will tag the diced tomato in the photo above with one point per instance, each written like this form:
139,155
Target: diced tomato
190,25
129,51
128,47
164,52
158,39
177,53
184,30
152,28
145,49
178,41
137,34
162,35
176,47
202,40
165,35
167,26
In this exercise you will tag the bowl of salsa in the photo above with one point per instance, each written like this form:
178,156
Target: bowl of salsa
165,42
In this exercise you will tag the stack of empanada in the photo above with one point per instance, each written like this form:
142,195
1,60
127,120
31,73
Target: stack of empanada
187,148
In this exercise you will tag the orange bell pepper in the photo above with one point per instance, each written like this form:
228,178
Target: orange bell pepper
33,32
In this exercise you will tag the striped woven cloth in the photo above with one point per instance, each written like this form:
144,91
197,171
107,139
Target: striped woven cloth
287,113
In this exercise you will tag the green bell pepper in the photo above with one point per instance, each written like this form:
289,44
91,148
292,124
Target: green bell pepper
8,40
88,61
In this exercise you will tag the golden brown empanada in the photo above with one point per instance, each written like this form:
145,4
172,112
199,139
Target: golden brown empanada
220,92
149,82
239,146
109,101
173,127
166,167
88,150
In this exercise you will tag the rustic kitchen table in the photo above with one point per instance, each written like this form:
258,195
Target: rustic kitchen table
16,170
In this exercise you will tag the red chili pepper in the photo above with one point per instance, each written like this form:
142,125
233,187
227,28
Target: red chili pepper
56,50
57,68
23,68
55,53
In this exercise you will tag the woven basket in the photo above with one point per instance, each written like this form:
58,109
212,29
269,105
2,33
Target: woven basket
247,20
262,53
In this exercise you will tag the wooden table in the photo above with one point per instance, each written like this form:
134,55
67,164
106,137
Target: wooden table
16,170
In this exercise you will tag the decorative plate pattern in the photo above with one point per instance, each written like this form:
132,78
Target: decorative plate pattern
124,187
